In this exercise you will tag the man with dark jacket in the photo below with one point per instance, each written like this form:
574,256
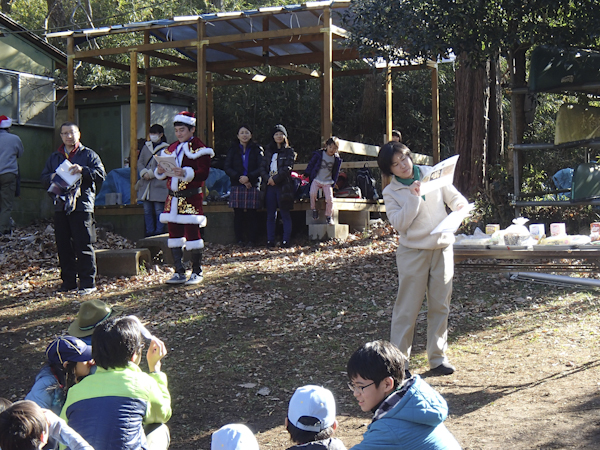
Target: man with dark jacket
74,224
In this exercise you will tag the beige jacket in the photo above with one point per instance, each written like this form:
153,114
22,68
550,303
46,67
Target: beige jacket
414,218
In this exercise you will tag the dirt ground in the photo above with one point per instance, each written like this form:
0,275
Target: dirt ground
265,322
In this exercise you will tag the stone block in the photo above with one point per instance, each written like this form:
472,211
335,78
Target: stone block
321,232
121,263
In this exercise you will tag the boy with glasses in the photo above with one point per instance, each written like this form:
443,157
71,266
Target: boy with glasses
407,414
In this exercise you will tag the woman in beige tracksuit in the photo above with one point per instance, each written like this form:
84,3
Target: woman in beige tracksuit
425,261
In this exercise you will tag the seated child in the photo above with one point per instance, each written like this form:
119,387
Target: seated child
311,419
26,426
117,406
407,414
69,361
234,436
322,171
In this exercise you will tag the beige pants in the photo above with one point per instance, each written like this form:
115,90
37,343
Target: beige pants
420,273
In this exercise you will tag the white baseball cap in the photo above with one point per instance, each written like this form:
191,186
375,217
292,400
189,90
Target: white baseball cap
234,436
312,401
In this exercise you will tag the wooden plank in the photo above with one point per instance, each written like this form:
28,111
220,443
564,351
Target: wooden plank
356,148
201,127
133,114
147,89
327,76
138,48
70,79
388,105
435,113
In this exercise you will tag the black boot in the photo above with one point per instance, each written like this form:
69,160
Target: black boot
196,276
179,277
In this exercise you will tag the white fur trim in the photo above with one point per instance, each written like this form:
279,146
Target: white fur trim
189,174
194,245
174,184
176,242
195,154
6,122
185,219
185,119
159,176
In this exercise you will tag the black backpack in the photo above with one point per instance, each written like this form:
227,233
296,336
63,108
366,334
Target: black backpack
366,183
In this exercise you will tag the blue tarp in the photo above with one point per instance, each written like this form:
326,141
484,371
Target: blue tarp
117,181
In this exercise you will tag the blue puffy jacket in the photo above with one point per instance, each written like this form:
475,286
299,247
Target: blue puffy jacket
46,391
414,423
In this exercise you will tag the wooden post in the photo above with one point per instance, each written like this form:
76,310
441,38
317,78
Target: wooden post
210,103
133,114
71,79
327,74
388,104
201,84
435,113
147,87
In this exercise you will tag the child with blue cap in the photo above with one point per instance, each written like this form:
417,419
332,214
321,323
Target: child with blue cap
234,436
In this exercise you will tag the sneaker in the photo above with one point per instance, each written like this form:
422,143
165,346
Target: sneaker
443,369
270,244
315,214
87,291
177,278
195,278
329,221
286,244
66,288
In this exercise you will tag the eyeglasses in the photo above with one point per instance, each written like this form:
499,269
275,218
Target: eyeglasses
354,388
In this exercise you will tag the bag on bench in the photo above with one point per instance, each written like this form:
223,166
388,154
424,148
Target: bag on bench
366,183
348,192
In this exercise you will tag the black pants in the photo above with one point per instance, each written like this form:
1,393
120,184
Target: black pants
75,234
245,219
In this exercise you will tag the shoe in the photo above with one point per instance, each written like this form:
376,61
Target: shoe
249,244
443,369
285,244
87,291
195,278
240,243
177,278
270,244
329,221
315,214
66,288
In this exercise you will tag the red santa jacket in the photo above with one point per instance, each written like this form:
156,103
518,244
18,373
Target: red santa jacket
184,202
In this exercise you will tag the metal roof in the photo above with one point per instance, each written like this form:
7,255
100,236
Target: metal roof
240,23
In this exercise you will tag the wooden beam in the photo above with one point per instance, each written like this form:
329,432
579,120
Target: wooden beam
170,58
308,45
111,64
327,75
201,127
279,41
147,88
238,53
133,113
435,113
137,48
70,79
388,104
210,105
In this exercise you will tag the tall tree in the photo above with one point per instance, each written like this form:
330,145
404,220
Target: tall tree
478,32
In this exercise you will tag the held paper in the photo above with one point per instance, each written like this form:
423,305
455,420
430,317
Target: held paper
168,163
442,175
451,223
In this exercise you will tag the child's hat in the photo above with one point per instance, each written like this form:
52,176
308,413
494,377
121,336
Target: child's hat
68,348
91,314
315,402
234,436
5,122
185,117
281,128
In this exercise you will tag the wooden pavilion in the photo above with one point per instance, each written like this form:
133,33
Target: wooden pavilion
307,40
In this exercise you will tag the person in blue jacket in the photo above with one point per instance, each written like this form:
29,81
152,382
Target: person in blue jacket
407,414
322,171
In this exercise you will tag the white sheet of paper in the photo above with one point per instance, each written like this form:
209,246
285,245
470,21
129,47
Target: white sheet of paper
168,163
451,223
63,172
442,175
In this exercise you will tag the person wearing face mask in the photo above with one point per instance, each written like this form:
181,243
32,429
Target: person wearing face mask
151,190
244,159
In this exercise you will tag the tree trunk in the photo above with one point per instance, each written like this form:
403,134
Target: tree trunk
496,128
57,16
371,106
6,6
471,134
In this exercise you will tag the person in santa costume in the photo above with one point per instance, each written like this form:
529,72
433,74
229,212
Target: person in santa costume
183,207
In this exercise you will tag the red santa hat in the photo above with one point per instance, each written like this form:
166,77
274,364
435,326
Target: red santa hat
186,117
5,122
